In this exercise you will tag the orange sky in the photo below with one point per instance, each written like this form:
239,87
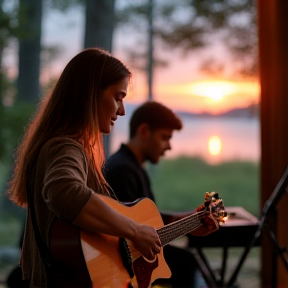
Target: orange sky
206,95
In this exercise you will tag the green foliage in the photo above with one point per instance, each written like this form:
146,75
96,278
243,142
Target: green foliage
13,121
8,23
10,229
180,184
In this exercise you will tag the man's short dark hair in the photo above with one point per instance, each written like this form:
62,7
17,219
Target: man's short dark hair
156,115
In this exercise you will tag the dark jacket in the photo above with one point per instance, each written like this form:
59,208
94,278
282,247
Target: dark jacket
126,176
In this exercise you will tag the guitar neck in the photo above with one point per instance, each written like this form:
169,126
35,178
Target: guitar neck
179,228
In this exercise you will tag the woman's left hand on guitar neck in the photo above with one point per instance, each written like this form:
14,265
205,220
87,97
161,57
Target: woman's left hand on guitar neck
208,226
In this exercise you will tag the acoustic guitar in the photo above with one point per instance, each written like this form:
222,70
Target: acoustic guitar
111,261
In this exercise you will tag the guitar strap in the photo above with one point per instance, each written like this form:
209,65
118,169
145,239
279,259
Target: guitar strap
42,247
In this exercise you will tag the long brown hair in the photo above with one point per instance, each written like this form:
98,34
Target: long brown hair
71,111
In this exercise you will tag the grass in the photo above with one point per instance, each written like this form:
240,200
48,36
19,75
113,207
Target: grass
179,184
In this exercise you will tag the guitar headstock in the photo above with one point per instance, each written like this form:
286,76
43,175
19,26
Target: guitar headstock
214,203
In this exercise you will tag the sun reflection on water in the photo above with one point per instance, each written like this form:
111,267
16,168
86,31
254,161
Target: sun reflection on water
214,145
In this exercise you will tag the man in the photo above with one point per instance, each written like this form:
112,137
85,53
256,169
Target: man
151,129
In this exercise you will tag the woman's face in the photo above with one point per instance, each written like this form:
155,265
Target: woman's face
111,105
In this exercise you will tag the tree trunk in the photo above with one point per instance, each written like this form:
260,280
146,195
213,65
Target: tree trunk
99,27
30,15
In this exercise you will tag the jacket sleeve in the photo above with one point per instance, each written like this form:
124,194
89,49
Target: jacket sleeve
65,188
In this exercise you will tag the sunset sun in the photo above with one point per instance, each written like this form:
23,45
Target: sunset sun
214,90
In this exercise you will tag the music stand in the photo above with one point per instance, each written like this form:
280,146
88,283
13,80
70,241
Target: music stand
268,207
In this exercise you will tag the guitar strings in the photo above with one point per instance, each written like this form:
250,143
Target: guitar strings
179,228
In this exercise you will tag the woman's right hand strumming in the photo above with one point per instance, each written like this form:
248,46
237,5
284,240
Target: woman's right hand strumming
146,241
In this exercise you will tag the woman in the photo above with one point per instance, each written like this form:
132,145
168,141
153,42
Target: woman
61,157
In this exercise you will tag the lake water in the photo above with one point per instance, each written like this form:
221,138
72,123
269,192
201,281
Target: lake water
215,139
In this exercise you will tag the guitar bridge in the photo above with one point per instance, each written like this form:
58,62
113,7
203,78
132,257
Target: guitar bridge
126,256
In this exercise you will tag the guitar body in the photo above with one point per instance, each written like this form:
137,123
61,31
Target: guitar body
102,254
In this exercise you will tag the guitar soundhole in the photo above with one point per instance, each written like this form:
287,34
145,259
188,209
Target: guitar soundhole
126,256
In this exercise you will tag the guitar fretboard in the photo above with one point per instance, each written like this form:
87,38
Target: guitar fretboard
179,228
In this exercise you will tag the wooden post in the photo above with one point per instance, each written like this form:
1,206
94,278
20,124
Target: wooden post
273,61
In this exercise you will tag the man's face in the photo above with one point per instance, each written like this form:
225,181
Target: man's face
157,143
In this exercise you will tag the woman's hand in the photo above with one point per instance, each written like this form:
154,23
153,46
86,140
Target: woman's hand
146,241
209,224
